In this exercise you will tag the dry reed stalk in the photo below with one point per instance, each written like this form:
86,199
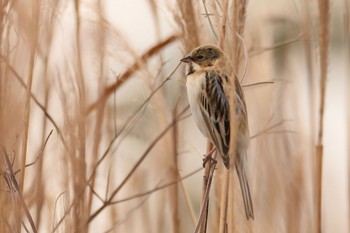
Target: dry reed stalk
157,188
104,156
100,115
130,121
238,24
189,25
224,201
309,53
205,192
12,70
323,47
169,144
161,112
225,183
222,35
94,130
78,157
40,184
347,35
215,209
9,216
318,187
109,201
36,11
188,201
258,51
207,180
230,224
15,190
131,70
174,198
208,15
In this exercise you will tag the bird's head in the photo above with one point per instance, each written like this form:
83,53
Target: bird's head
203,58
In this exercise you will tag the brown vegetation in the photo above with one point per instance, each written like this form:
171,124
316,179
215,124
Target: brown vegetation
96,133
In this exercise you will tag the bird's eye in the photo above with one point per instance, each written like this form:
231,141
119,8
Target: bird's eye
200,57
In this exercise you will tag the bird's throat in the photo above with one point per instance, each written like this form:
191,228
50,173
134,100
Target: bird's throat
190,69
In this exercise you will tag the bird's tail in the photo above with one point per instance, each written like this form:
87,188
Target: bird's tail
243,180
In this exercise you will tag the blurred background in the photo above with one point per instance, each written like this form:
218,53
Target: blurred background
96,134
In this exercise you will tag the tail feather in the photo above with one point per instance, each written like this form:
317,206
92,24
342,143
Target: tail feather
243,180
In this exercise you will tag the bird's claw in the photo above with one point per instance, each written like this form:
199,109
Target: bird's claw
208,158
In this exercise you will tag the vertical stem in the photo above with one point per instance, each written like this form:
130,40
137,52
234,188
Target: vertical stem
347,45
101,106
207,180
80,214
39,184
225,183
231,98
318,171
221,40
307,30
224,200
323,44
230,224
206,175
174,189
35,25
10,178
190,30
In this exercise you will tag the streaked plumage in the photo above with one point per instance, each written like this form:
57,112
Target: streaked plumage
207,84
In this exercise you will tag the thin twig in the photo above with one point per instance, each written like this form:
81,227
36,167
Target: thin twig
157,188
130,120
127,215
180,117
132,171
209,19
131,70
259,51
54,209
188,201
174,190
108,179
245,58
204,206
40,153
324,17
25,227
258,83
33,43
14,187
41,106
224,201
96,194
268,129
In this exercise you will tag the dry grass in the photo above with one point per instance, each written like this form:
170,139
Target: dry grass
95,128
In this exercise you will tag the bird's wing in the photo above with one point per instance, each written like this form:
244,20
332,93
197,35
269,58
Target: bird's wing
216,112
241,113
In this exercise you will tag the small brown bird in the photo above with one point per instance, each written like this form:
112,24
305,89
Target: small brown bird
207,87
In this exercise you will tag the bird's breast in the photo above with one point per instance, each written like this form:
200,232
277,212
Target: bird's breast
194,86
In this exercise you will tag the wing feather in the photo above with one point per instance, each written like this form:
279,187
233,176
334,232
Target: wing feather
216,112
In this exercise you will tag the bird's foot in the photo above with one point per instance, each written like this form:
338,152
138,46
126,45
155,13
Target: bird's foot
208,157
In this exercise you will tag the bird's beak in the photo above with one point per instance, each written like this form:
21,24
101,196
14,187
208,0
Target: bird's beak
186,59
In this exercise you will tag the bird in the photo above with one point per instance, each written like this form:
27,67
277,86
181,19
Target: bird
208,85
